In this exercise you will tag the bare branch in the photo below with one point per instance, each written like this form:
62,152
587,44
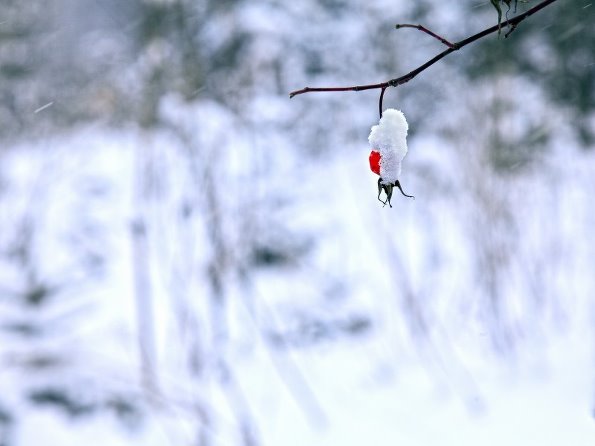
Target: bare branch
510,31
513,23
427,31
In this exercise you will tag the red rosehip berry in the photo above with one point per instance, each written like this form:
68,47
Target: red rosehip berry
375,162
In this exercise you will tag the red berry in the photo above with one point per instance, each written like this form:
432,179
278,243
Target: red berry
375,162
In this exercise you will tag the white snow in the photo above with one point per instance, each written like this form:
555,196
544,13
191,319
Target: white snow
389,138
446,390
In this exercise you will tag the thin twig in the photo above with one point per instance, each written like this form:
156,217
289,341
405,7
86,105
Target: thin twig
510,31
427,31
407,77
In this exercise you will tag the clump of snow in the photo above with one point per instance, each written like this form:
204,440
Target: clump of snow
389,138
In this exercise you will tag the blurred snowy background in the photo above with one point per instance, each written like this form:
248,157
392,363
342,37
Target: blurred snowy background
188,257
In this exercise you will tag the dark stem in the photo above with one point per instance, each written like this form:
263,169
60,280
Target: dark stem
455,46
380,100
427,31
398,184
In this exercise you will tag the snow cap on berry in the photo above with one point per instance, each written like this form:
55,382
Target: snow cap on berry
389,138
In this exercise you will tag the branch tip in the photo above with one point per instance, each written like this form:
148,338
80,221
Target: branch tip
427,31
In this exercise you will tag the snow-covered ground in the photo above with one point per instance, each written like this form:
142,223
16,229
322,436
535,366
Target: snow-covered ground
431,364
